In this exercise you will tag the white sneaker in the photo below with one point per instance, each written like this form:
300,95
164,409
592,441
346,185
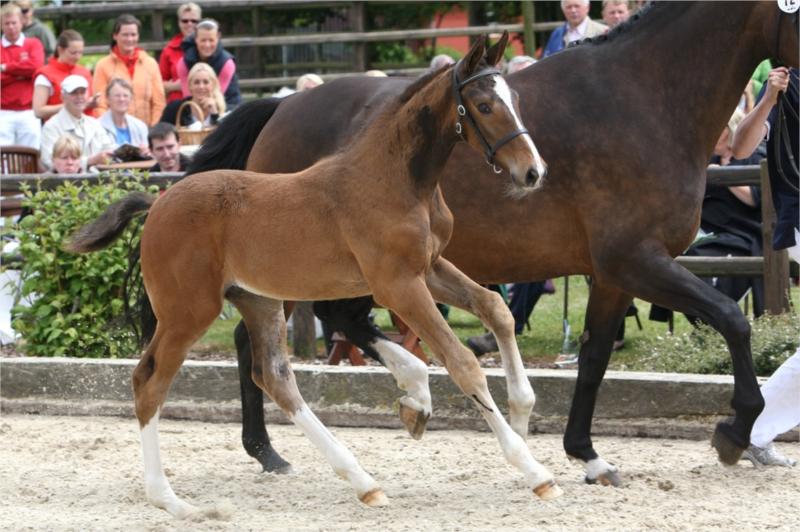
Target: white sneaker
767,456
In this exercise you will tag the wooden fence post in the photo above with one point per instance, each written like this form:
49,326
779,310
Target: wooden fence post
528,19
776,263
357,24
304,337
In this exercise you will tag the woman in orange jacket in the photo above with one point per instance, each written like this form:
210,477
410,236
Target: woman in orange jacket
128,62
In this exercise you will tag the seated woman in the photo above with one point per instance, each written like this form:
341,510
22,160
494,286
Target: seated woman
205,91
205,47
47,81
122,127
66,156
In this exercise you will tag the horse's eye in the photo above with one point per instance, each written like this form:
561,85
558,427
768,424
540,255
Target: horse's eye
484,108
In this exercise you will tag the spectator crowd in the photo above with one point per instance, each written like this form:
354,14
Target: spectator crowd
79,120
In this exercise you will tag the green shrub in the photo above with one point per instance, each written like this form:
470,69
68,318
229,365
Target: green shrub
703,350
79,307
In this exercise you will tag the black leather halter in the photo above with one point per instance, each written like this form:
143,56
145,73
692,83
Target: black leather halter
462,112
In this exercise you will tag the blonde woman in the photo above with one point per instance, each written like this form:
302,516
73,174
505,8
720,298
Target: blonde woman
204,90
66,155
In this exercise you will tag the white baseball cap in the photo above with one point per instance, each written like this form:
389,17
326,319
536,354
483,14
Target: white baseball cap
73,82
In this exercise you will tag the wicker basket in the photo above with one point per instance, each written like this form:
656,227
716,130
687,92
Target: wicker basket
192,136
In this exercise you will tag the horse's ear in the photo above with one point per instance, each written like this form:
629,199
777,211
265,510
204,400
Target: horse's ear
495,53
474,56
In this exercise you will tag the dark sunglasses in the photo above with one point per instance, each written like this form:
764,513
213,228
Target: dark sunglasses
189,20
25,11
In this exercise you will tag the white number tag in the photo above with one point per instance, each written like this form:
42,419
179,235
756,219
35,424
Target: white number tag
789,6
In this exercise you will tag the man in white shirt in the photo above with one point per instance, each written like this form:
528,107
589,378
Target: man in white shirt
96,145
578,26
19,59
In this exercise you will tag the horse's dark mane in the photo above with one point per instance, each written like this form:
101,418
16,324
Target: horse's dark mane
620,28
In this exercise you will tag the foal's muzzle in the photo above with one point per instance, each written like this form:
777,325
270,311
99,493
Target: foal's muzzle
533,176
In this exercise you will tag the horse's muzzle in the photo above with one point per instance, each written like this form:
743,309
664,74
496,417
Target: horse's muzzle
534,175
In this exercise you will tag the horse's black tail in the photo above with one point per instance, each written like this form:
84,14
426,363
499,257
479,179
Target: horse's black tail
229,145
110,225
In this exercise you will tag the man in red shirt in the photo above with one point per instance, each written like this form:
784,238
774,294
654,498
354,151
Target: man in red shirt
19,59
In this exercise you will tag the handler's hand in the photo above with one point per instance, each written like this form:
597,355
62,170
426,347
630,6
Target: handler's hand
777,81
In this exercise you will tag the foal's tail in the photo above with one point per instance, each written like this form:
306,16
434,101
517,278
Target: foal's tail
100,234
110,225
229,145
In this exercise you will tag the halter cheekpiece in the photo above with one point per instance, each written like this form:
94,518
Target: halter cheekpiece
462,112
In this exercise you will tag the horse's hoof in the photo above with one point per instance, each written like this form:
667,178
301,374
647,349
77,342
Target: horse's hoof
273,463
414,421
609,478
728,451
548,491
375,498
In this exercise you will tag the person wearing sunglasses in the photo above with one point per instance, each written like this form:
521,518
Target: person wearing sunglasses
33,27
205,46
189,15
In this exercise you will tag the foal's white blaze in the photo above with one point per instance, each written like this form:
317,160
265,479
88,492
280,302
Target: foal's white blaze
156,485
410,373
339,457
503,92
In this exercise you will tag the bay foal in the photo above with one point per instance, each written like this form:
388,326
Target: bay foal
259,239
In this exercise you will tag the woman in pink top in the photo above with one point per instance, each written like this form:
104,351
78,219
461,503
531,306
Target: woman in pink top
205,46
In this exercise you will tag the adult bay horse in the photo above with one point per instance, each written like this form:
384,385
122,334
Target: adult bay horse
627,123
231,234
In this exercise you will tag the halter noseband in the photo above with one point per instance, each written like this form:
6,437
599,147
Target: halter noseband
462,112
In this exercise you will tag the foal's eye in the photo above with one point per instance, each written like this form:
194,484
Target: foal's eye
484,108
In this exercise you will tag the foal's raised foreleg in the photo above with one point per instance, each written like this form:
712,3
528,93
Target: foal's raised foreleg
449,285
272,372
351,317
413,302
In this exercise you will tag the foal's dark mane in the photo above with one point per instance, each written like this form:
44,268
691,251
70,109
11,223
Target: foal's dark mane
389,111
417,85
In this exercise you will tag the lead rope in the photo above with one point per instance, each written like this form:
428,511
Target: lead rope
782,139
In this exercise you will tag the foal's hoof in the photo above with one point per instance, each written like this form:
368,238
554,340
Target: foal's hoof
375,498
609,478
728,450
548,491
414,420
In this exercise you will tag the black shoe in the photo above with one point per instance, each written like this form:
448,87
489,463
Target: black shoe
482,344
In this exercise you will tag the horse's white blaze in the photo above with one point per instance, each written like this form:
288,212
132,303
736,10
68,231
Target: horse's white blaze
503,92
339,457
514,448
521,397
410,373
597,467
156,485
